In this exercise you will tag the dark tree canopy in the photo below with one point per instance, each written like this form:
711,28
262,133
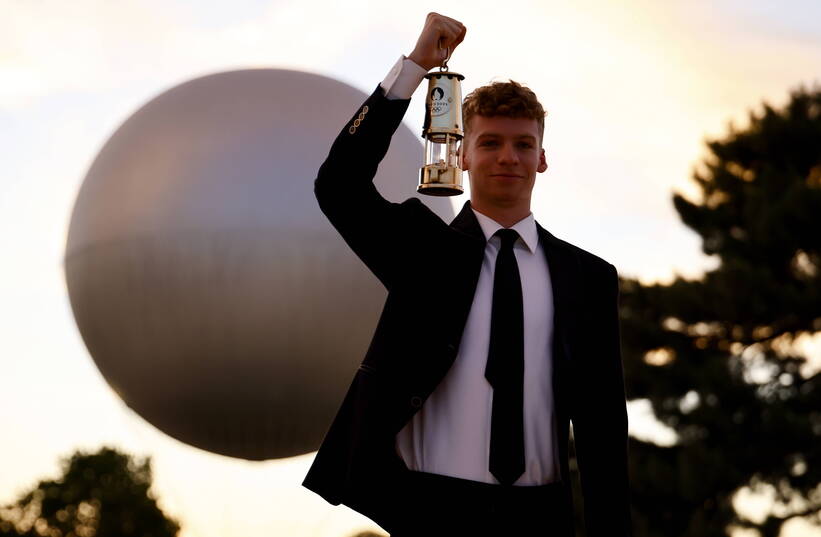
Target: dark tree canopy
719,357
104,494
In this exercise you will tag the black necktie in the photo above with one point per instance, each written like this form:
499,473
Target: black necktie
505,366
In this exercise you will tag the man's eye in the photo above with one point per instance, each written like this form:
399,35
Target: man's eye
487,143
526,145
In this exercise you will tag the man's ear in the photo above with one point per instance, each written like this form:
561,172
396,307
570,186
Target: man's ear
464,161
542,162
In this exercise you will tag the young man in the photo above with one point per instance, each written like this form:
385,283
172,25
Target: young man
457,421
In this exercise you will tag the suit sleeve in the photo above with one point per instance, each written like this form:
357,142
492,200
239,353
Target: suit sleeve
374,228
600,417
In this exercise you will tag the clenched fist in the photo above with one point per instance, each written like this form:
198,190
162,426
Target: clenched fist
439,34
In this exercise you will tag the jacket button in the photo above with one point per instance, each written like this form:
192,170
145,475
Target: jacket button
365,109
352,130
416,401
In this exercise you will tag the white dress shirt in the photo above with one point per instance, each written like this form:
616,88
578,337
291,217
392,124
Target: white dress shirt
450,434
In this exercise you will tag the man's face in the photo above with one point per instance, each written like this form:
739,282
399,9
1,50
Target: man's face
503,156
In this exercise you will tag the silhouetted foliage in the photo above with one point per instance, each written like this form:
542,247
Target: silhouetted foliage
719,358
104,494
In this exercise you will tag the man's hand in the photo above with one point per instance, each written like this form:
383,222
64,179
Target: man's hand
439,34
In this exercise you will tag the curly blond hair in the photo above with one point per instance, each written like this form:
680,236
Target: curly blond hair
506,99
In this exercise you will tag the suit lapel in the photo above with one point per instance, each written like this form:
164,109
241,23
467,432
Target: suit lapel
466,222
564,269
468,252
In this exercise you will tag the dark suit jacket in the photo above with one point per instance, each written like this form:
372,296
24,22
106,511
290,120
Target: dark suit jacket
430,270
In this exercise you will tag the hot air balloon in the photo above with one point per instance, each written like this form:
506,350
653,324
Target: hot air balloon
213,295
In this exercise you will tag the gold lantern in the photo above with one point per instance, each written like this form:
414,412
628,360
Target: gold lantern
442,175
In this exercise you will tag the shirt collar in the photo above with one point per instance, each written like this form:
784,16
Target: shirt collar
526,228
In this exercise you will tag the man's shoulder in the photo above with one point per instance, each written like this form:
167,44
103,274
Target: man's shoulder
585,258
423,217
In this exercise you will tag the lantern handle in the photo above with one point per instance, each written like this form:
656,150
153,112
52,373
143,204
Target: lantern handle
444,66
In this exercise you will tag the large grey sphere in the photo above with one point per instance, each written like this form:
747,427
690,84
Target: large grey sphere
210,290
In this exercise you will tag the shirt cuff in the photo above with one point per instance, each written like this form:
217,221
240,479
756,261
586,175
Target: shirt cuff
403,79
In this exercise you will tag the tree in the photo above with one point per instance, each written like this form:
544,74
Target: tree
720,357
104,494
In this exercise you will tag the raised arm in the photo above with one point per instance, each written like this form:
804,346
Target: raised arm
376,229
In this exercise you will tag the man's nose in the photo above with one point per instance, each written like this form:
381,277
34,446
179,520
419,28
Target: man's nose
508,155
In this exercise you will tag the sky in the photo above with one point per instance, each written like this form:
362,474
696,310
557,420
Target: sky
632,89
